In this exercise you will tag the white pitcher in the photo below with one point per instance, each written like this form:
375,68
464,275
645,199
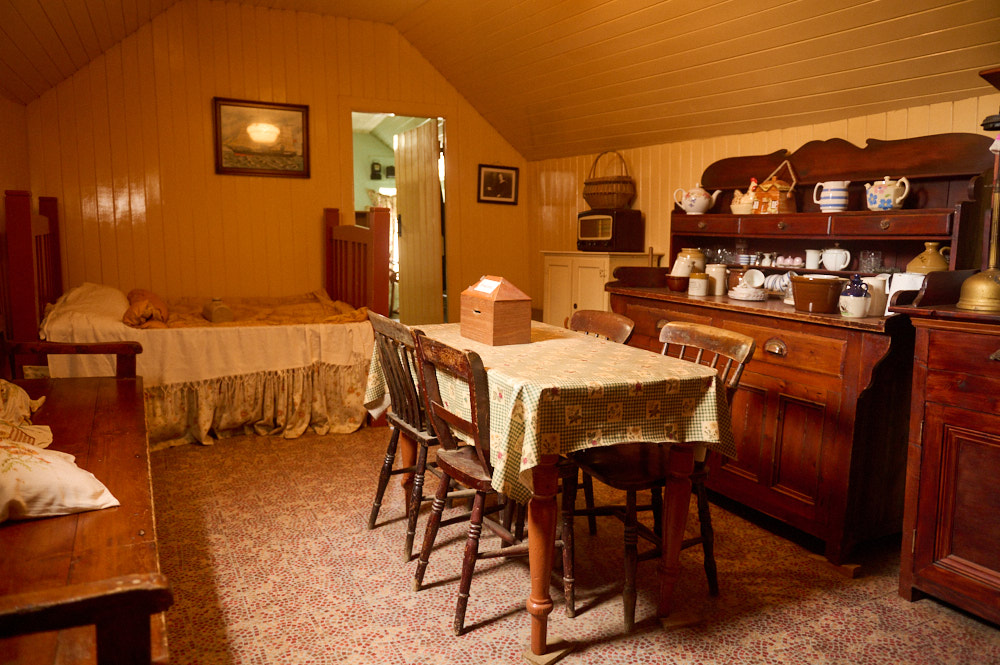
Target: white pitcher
836,258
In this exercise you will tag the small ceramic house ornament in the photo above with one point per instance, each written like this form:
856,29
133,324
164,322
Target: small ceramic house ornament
495,312
775,196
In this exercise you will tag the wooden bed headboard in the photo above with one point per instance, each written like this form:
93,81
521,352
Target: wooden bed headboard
357,260
33,267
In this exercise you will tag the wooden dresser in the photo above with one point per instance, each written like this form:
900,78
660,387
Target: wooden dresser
951,526
823,407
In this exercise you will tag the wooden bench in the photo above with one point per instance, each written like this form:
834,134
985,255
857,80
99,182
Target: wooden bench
87,587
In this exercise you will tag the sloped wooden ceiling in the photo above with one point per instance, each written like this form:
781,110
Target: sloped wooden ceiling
568,77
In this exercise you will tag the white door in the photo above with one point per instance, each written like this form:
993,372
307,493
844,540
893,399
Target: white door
421,243
590,277
557,304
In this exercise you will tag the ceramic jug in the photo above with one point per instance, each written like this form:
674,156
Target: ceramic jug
855,299
878,288
931,259
833,197
836,258
695,256
696,200
888,194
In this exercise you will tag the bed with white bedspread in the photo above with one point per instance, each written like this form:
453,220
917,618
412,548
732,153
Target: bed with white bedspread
284,366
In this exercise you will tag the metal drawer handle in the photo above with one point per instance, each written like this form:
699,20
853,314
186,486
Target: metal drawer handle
884,224
995,355
775,347
781,226
702,225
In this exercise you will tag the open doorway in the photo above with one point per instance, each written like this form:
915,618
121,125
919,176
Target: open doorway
399,164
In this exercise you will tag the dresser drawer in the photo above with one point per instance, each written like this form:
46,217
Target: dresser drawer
704,224
894,223
964,353
789,225
812,353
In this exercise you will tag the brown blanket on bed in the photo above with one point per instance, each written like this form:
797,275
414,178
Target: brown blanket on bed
315,307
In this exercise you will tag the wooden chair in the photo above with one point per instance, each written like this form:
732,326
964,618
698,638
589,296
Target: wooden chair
396,348
641,466
616,328
124,352
609,325
468,465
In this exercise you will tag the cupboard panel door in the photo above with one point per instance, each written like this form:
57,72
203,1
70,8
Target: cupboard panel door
780,428
959,508
557,305
749,414
591,275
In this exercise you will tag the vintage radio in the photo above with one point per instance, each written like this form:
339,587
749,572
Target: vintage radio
610,230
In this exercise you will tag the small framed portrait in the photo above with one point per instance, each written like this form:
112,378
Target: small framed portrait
261,138
498,184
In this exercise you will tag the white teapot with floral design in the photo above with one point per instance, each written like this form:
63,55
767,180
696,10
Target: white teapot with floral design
695,201
888,194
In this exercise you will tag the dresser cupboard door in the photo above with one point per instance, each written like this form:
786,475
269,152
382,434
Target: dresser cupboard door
780,428
955,556
589,277
557,305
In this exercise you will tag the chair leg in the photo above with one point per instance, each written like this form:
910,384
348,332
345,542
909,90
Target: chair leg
568,506
631,559
656,503
705,522
416,499
383,477
588,499
433,522
469,560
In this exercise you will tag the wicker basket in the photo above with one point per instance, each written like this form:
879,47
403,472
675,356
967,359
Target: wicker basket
617,191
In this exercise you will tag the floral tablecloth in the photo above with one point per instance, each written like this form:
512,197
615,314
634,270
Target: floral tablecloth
565,391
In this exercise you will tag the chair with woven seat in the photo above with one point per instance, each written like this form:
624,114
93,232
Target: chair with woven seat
469,465
396,348
642,466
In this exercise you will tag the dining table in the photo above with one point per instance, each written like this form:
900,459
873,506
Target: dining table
565,391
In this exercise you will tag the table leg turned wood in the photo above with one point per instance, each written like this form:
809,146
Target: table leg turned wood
676,499
541,539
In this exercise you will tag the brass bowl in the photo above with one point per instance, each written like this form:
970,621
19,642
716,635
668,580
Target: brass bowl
818,294
678,282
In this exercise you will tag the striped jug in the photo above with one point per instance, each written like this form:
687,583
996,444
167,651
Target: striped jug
833,198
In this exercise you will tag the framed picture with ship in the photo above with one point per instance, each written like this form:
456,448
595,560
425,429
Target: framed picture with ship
261,138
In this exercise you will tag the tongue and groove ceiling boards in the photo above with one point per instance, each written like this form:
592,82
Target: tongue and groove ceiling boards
570,77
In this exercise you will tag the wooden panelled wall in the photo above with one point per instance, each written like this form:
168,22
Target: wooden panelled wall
557,184
126,145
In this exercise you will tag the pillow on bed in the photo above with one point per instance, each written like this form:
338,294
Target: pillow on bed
42,483
145,310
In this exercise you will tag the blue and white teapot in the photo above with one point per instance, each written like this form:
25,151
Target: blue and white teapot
888,194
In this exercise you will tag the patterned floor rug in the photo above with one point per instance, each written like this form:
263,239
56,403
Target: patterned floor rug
264,541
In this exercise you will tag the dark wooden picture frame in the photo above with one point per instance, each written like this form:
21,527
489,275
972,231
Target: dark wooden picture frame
498,184
260,138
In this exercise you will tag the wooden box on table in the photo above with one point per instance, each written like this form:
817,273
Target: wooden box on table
495,312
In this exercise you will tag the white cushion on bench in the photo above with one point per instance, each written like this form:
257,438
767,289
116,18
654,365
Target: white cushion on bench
35,482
